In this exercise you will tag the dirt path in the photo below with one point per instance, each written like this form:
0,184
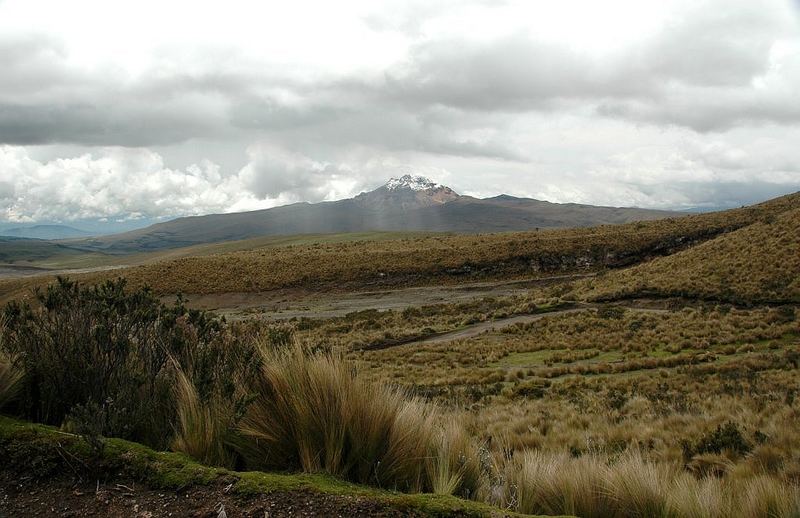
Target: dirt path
497,325
13,271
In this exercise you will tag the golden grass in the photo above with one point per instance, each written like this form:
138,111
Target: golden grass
315,413
202,426
401,262
454,463
632,486
758,263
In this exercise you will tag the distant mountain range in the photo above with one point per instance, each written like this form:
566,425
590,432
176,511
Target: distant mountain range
409,203
44,232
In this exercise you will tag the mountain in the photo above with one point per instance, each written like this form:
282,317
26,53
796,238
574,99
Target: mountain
44,232
409,203
405,193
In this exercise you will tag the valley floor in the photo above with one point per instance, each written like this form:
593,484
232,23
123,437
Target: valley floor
278,305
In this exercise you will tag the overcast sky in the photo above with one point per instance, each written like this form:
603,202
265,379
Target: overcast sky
159,109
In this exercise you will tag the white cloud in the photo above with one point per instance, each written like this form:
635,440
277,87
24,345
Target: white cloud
125,183
114,183
176,108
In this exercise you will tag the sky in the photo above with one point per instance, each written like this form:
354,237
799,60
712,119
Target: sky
130,112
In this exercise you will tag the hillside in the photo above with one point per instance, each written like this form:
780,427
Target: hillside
758,263
402,204
27,251
419,260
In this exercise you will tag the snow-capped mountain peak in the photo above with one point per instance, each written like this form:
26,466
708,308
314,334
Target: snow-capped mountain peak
415,183
406,193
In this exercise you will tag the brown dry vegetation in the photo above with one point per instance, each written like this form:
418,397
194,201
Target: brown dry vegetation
758,263
558,345
690,412
408,261
607,411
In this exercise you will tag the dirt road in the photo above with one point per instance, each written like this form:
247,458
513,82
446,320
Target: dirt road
497,325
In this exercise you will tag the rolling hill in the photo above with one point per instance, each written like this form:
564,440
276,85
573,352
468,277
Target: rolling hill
759,263
415,259
402,204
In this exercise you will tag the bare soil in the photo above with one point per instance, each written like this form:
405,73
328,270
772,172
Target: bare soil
63,497
287,304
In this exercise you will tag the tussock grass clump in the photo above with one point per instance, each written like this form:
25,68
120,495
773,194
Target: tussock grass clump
314,413
537,482
201,427
454,466
634,486
764,497
703,498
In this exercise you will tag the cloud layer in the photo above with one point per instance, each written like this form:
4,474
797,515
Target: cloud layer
669,105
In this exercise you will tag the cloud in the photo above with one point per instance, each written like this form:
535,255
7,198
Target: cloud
125,183
273,172
630,103
705,67
116,183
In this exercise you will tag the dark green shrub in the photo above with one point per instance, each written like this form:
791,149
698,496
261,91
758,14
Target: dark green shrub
107,357
611,312
534,388
726,437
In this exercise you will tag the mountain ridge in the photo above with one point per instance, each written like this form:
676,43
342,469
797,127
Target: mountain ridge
44,232
408,203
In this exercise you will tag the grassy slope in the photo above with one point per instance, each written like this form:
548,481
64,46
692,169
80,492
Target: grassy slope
41,451
65,254
391,261
758,263
36,252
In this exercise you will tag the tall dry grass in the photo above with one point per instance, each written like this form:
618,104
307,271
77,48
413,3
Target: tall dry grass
314,413
454,466
632,486
202,427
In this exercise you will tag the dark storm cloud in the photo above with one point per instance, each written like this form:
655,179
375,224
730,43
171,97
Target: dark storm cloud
132,124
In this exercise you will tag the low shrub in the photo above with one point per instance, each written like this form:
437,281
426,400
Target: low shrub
10,376
104,350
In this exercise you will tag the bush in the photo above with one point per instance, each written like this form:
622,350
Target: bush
726,437
88,348
10,375
534,388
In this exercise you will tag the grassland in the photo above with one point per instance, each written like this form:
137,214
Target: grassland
345,262
664,386
758,263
